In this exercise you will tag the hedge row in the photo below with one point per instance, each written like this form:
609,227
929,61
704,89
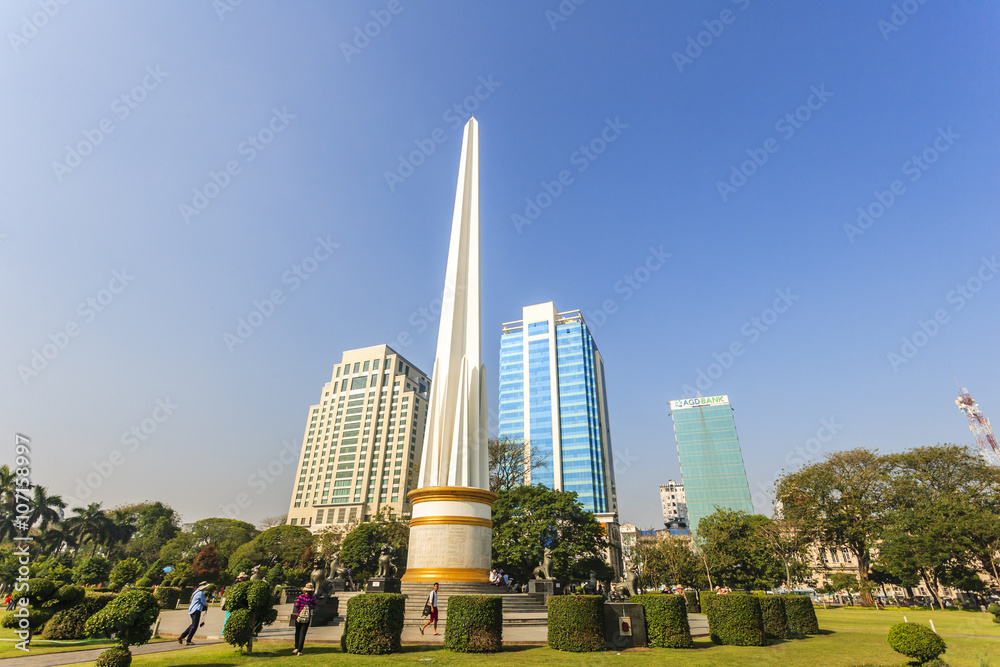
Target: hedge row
735,619
693,601
475,624
576,622
772,610
801,615
666,620
167,596
374,623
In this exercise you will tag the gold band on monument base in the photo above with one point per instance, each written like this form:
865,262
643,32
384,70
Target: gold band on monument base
450,520
452,574
468,494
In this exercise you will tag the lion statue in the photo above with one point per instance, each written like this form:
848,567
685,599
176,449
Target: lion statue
385,567
321,585
544,569
590,587
629,585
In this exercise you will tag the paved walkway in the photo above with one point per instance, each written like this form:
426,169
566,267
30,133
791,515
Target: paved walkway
174,622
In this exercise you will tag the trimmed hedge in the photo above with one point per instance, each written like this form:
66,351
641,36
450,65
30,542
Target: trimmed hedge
250,608
68,623
772,610
801,615
116,656
735,620
374,624
576,622
129,617
474,624
167,597
916,641
666,620
693,602
703,598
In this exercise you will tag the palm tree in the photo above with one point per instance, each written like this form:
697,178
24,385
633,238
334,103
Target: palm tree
122,528
45,508
8,530
55,538
90,524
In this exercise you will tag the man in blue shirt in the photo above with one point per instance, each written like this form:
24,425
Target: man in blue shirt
198,605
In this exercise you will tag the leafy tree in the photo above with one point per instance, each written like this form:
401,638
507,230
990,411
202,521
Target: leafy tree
840,503
226,535
155,524
290,545
361,548
182,547
843,581
272,521
250,609
788,545
667,560
527,519
935,500
512,461
125,572
92,571
206,565
121,530
733,541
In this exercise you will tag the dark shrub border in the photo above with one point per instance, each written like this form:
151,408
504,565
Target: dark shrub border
666,620
735,620
474,624
801,615
576,623
374,624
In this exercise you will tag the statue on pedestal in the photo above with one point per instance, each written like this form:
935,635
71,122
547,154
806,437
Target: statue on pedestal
590,587
544,569
385,567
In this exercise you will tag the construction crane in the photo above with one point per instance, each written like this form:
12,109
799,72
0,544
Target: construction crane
980,427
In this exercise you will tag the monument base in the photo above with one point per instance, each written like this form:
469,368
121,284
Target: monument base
382,585
624,625
450,535
324,614
339,585
543,589
289,595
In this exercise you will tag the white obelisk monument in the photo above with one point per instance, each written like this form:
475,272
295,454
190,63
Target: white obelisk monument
451,528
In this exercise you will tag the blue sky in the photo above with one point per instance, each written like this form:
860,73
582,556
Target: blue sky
288,135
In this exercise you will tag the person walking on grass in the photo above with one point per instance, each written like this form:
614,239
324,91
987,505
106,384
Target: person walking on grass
432,601
199,604
303,610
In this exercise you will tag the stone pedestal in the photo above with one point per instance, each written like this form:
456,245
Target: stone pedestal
382,585
543,589
620,618
339,585
289,595
325,613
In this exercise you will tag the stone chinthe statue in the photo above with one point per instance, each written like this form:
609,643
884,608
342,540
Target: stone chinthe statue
385,567
451,527
544,569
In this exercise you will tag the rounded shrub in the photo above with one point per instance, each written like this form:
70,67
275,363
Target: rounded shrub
167,596
374,624
475,624
117,656
916,641
68,623
129,617
37,619
995,610
666,620
693,602
250,607
772,610
735,620
41,591
801,615
576,622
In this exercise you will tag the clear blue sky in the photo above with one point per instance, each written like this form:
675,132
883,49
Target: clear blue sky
329,122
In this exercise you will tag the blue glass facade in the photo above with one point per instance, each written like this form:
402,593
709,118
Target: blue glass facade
711,460
566,416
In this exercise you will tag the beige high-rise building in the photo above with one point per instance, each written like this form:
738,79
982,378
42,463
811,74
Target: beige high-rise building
362,442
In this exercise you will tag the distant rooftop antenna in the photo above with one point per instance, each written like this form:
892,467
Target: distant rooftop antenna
979,425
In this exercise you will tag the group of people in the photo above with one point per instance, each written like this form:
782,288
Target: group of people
722,590
498,577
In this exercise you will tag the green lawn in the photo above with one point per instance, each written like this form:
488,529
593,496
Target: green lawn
947,622
841,649
39,646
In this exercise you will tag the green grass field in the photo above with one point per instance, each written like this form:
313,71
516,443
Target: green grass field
39,646
861,641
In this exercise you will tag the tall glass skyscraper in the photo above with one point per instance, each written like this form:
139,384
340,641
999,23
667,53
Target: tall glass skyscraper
552,394
710,456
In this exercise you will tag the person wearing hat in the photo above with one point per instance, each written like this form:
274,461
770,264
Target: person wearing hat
303,610
199,604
